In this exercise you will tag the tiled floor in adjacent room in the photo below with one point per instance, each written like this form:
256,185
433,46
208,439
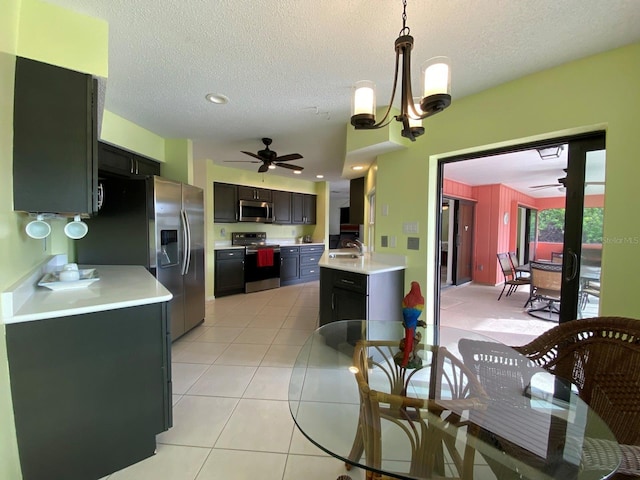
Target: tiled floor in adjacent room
231,417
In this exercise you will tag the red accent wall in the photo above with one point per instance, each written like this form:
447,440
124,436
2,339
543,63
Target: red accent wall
451,188
491,235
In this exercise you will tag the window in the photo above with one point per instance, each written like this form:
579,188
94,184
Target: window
551,225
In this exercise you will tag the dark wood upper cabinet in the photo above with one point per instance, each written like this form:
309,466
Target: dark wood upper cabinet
225,203
281,207
117,161
253,193
303,208
54,139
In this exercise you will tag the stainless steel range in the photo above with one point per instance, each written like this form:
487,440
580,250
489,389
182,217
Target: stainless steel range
261,261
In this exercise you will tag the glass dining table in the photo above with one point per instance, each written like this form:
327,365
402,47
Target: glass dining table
465,406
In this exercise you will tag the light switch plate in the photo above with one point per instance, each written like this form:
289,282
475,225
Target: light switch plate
413,243
393,241
384,241
410,227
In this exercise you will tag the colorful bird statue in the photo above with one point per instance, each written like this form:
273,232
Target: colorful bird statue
412,306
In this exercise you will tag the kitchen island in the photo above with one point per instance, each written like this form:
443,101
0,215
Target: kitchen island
360,287
90,372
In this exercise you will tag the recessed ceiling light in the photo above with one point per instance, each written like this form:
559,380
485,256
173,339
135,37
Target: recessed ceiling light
357,167
297,172
217,98
319,176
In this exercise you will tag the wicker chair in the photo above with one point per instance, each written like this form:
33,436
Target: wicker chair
601,357
509,274
431,423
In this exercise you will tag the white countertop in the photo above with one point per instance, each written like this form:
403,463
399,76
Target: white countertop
118,287
368,264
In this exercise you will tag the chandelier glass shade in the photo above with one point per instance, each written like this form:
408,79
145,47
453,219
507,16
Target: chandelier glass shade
436,91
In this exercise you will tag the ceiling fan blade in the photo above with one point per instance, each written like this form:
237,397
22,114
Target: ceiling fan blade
290,167
263,168
550,185
286,158
252,155
241,161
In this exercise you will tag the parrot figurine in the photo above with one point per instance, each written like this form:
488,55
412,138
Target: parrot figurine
412,306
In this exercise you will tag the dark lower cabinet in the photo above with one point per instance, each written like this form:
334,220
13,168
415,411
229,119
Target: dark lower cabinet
229,272
346,295
299,264
90,392
289,265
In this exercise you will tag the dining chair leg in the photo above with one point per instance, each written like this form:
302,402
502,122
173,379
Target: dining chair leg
503,287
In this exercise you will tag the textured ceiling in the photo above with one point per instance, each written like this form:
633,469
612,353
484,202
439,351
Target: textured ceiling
287,66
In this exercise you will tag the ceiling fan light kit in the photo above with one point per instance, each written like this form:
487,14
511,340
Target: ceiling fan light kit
436,94
550,153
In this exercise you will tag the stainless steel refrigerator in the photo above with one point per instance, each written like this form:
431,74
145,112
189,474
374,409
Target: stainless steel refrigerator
159,224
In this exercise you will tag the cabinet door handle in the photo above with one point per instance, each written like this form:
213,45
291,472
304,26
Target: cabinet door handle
131,165
348,282
332,297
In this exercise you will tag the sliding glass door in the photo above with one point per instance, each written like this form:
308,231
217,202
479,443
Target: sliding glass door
583,228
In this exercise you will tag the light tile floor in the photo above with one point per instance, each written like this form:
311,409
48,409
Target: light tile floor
231,417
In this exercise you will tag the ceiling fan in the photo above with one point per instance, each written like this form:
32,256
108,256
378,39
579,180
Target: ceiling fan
270,159
561,183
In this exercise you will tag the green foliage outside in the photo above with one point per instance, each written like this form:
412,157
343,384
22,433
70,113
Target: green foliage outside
551,225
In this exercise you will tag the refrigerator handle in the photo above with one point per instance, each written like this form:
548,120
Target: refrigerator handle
186,236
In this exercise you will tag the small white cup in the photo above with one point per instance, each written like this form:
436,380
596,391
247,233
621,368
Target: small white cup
70,266
69,275
77,229
38,228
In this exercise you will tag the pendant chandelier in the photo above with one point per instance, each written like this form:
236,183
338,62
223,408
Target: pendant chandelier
436,93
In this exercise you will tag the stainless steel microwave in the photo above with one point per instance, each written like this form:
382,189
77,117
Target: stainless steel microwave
255,211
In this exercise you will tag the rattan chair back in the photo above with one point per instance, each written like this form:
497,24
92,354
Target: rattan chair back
429,417
601,357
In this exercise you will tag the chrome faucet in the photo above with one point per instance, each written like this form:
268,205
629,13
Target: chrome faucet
357,244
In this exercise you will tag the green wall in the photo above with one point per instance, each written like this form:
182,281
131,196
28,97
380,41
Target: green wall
598,92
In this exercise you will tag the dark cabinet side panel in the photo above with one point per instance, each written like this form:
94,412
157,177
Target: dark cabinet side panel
54,139
90,392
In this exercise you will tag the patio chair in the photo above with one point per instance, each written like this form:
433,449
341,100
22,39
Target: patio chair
556,257
591,287
515,263
509,274
601,357
546,281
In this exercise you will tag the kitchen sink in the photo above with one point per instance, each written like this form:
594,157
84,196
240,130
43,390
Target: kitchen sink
344,255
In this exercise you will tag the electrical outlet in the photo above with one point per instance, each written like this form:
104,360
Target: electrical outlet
393,241
385,209
223,232
413,243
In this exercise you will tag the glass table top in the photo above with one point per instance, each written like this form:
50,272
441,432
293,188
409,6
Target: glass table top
465,401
